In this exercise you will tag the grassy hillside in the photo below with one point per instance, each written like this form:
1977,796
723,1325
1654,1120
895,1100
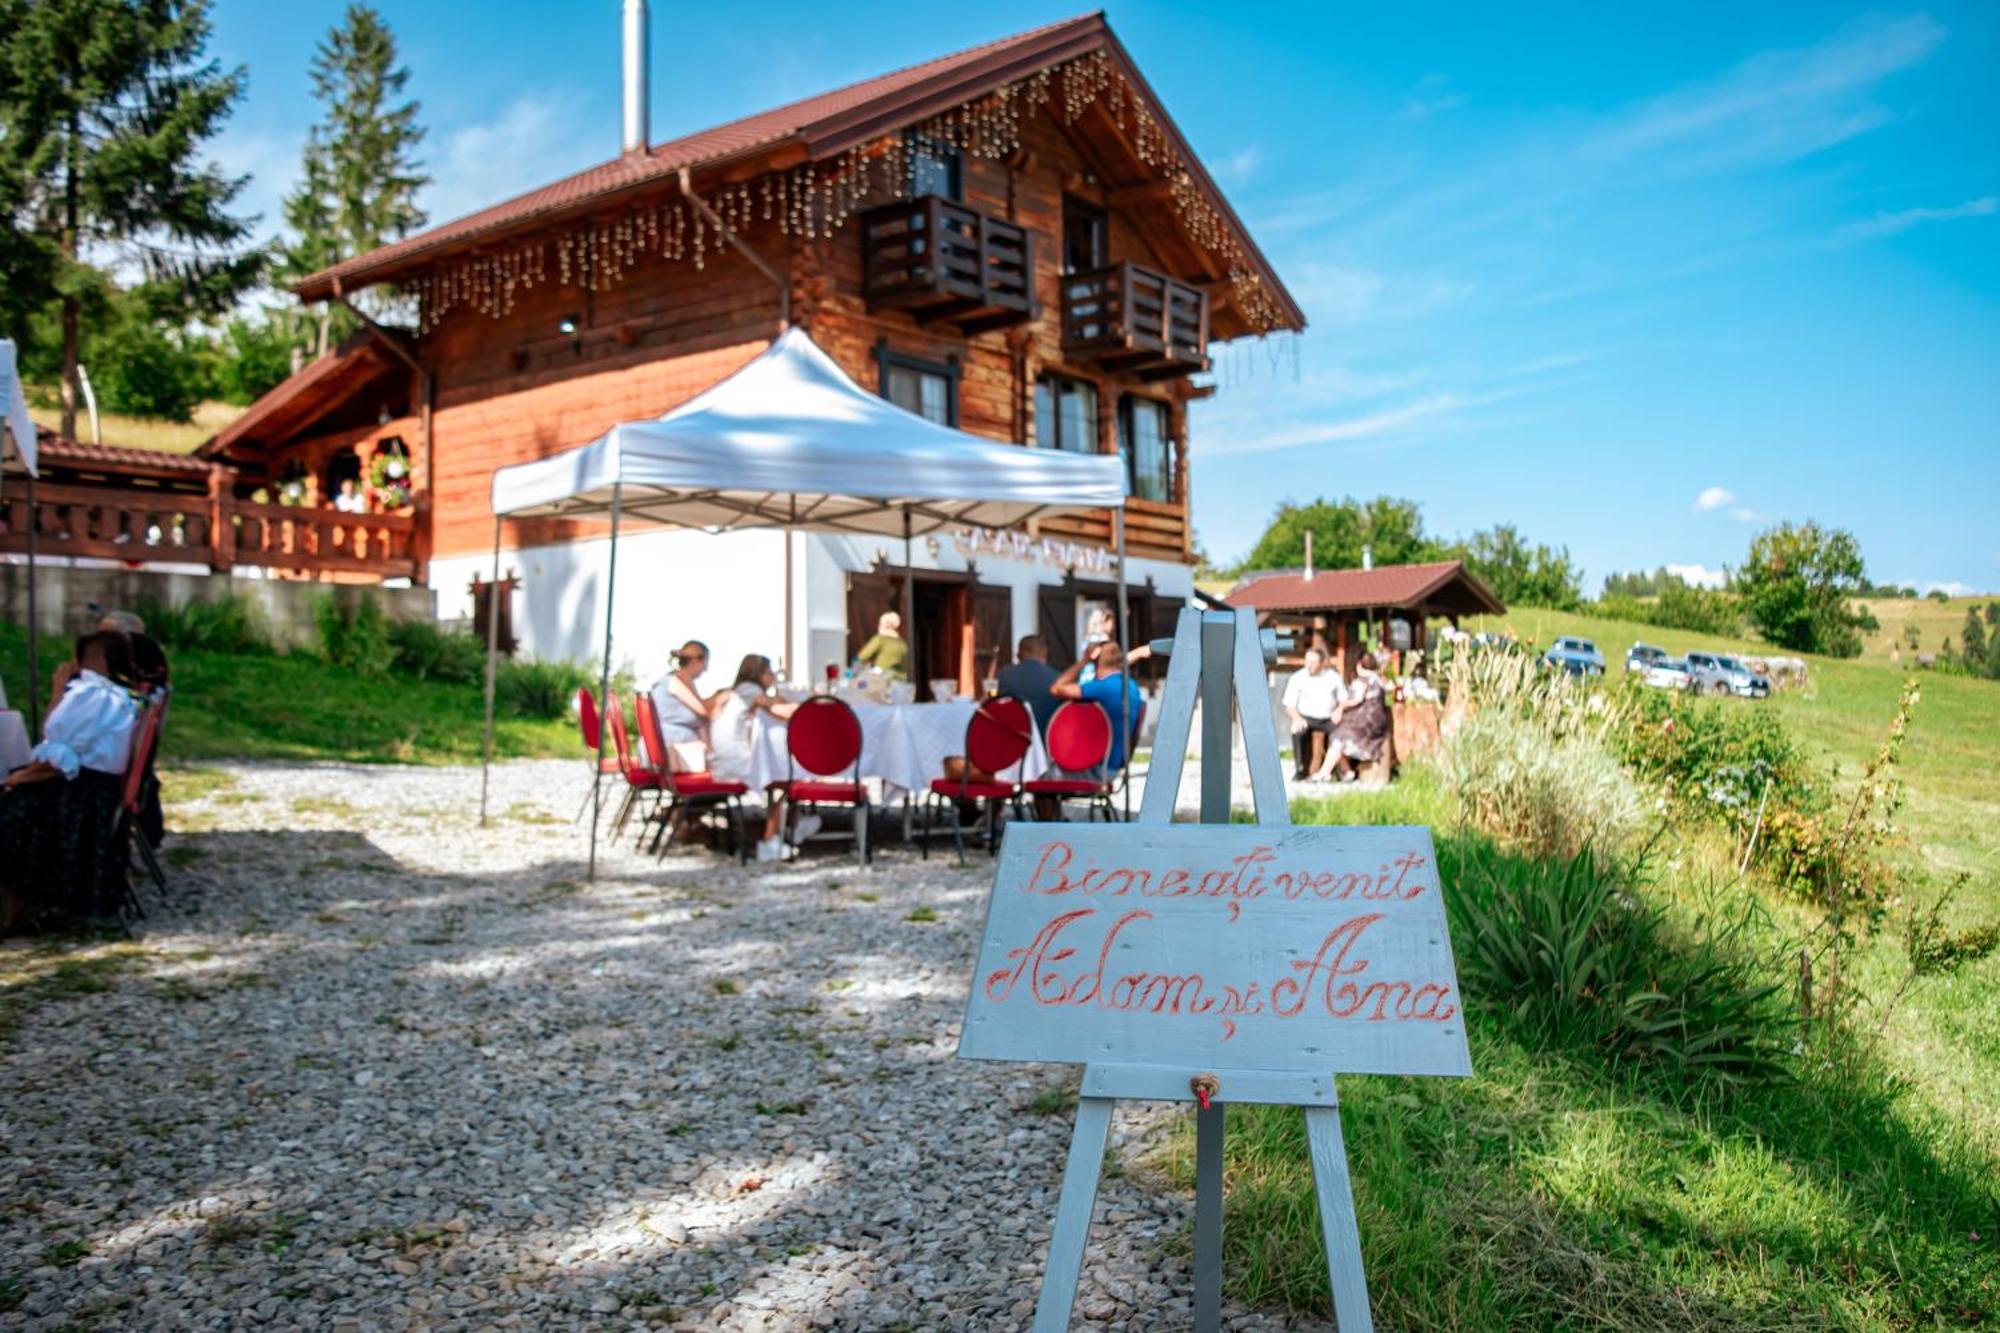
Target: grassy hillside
171,437
1934,621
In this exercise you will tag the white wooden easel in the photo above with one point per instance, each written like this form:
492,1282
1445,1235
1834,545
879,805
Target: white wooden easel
1218,657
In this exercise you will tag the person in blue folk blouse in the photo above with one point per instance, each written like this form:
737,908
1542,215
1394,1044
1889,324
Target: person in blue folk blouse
57,812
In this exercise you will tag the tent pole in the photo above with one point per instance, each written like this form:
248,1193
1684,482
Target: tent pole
34,630
785,657
909,601
605,703
492,652
1124,696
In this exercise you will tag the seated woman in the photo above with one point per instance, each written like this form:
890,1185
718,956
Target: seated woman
684,715
56,814
1361,724
731,735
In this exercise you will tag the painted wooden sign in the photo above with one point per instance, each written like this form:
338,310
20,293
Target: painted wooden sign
1310,949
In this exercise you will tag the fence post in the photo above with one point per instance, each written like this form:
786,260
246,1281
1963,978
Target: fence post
221,522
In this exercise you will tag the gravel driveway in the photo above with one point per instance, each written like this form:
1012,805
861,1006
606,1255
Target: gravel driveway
383,1069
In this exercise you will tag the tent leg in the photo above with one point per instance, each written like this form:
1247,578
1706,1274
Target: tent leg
492,652
1124,723
34,630
785,653
604,700
909,599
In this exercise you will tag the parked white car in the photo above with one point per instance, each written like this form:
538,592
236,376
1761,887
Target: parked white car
1719,673
1668,673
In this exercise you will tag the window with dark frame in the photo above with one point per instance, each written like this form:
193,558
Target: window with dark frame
1146,441
1066,414
928,388
1086,236
935,168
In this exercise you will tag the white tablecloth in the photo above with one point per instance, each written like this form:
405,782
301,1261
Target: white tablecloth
14,747
902,744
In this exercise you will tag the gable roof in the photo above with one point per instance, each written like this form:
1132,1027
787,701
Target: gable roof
304,397
813,129
1447,584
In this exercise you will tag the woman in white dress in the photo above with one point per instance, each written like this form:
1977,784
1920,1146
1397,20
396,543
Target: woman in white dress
731,734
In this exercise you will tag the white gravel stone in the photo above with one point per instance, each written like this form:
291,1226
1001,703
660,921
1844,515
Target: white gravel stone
380,1068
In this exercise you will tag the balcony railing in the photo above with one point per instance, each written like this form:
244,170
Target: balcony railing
143,527
1133,320
944,262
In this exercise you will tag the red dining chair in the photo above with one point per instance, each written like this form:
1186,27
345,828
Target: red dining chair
824,738
1079,741
590,726
698,794
997,736
640,778
124,824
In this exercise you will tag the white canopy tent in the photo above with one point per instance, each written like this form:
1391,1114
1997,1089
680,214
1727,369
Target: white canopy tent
790,441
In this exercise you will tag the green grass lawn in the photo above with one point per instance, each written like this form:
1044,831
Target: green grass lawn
298,707
1554,1191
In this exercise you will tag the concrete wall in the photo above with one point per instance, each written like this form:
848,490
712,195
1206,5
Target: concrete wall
65,593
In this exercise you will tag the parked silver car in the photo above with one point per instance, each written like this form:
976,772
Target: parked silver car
1718,673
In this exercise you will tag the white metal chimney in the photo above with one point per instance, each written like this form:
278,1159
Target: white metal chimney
1367,556
636,51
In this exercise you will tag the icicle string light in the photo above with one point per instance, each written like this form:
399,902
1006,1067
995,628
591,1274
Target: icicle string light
815,200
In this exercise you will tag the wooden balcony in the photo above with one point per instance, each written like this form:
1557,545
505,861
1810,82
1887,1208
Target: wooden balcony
142,527
945,263
1134,321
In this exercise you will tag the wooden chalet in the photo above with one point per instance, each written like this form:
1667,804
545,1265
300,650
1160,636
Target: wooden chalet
1331,607
1014,239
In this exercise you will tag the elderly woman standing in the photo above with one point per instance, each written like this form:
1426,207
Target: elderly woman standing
57,813
888,651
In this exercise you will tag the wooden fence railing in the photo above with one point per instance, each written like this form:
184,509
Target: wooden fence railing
164,527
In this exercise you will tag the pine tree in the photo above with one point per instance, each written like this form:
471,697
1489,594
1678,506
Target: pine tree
104,108
361,177
1976,648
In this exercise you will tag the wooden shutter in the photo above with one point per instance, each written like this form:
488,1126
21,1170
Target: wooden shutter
1057,618
868,597
992,630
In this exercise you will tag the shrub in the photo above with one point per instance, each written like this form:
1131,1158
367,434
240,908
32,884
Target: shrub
540,689
228,624
1716,759
1546,796
1678,606
1577,958
354,637
426,652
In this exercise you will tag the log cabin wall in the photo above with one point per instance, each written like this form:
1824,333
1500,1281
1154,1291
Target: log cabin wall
517,388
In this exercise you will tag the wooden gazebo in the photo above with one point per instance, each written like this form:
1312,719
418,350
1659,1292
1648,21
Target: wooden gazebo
1332,605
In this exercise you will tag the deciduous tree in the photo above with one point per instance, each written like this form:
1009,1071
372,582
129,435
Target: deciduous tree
1796,585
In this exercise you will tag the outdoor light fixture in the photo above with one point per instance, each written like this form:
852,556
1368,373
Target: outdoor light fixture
570,328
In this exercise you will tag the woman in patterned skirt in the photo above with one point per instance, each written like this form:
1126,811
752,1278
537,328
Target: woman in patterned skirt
1362,725
57,812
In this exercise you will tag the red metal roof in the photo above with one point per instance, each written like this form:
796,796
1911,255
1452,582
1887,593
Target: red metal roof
821,126
61,451
1387,587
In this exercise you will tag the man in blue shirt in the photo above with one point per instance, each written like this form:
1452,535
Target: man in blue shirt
1107,689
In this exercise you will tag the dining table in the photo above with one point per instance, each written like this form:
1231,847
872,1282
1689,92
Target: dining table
904,746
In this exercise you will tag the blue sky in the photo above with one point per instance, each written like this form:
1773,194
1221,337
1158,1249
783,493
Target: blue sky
1635,282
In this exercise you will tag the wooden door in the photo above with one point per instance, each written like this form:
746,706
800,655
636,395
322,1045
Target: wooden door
992,631
868,597
1057,619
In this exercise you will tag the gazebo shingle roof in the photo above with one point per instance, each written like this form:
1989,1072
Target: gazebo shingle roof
1446,584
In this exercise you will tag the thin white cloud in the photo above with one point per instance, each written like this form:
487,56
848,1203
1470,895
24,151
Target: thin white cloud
1434,96
1777,106
1889,224
1701,576
1949,587
1715,497
1745,514
1239,166
1346,294
530,141
1374,425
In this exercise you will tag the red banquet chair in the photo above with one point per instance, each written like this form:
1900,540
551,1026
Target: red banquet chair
698,794
590,726
824,738
640,779
124,825
1079,740
997,736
